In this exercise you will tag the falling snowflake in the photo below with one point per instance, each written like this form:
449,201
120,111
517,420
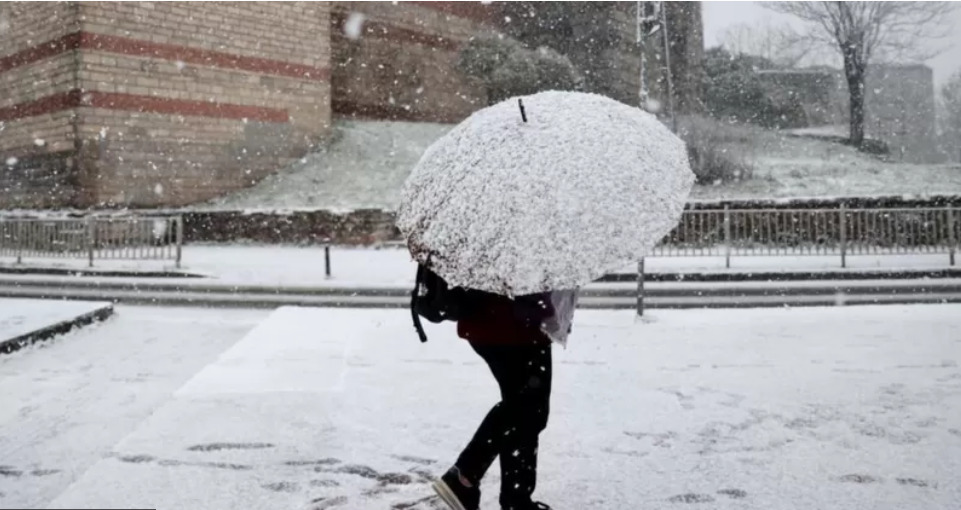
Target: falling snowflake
12,161
354,25
180,65
39,142
103,132
158,189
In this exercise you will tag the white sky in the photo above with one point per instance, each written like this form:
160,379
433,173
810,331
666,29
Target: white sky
718,16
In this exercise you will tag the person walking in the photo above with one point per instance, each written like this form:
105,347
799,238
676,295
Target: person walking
514,337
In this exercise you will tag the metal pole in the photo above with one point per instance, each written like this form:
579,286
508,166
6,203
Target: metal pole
179,221
842,224
667,62
642,92
20,241
640,288
952,240
90,239
727,236
327,260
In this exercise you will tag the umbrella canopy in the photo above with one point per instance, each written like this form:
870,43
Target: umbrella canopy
585,185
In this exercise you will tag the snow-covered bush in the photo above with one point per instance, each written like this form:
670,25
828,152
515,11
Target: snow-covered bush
506,68
711,148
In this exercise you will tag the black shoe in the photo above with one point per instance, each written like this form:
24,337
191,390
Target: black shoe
455,494
535,505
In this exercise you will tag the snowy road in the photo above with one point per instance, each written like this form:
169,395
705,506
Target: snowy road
841,408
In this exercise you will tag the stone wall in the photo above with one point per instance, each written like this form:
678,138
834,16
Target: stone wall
899,109
360,228
373,227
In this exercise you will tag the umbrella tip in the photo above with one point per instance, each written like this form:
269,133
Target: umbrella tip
520,104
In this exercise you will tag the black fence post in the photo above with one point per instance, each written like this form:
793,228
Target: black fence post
640,288
327,260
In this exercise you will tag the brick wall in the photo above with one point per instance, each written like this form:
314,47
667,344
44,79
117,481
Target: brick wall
402,67
162,103
37,72
185,101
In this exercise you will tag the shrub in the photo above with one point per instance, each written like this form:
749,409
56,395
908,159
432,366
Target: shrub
714,150
507,69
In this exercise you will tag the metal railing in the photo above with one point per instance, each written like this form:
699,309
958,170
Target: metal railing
841,232
93,238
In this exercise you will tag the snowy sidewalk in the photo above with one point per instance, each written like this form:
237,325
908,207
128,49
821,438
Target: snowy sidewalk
289,266
851,408
272,276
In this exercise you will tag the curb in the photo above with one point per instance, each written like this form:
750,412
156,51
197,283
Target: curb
784,276
54,289
62,271
652,277
16,343
685,300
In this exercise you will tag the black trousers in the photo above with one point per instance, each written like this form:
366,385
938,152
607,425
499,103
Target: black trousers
511,428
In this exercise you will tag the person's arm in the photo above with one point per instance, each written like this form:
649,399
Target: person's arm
534,308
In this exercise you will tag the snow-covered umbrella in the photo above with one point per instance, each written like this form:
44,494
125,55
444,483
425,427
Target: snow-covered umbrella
549,192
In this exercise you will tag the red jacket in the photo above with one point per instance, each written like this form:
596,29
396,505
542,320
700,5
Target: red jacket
503,321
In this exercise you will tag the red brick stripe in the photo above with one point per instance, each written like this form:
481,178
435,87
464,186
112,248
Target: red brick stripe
139,103
135,47
172,52
40,52
54,103
152,104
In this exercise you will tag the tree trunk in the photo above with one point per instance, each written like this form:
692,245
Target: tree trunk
856,90
854,70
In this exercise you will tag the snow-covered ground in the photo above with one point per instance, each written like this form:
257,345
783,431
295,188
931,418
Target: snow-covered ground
790,166
368,161
830,130
23,316
364,167
65,402
304,266
847,408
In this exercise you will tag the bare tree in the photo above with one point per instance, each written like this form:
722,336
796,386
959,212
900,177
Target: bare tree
780,44
864,31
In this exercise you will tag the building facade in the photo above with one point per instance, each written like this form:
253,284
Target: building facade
151,104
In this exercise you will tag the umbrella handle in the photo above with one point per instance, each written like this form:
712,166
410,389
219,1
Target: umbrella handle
520,103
